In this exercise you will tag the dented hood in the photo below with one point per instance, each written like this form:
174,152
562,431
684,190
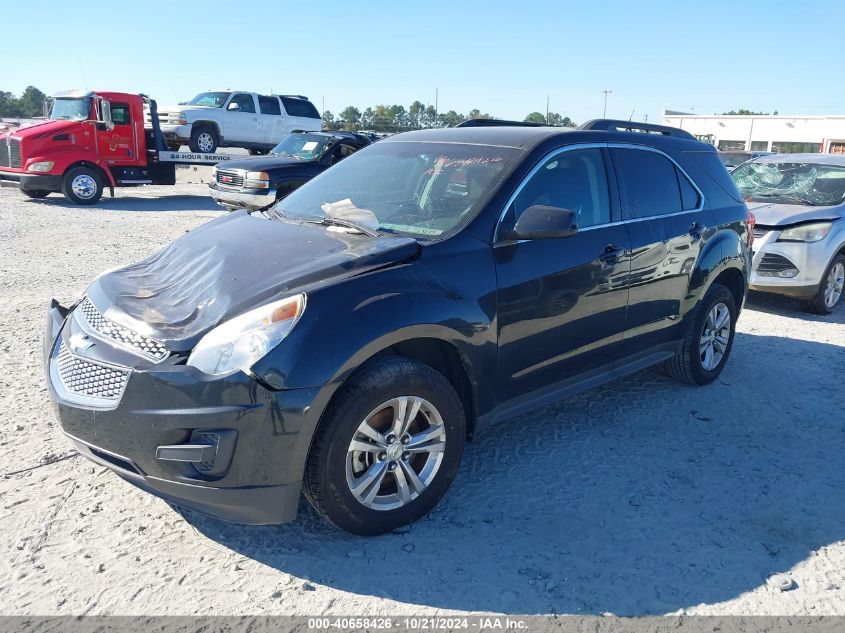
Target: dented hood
229,266
769,214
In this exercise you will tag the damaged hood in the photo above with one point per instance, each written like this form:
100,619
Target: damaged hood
229,266
769,214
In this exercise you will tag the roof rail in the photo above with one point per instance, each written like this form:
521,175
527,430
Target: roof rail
495,123
613,125
295,97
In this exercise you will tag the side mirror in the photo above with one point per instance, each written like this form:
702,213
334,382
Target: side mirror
233,107
540,222
105,114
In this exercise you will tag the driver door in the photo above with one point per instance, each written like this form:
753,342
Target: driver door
118,146
562,302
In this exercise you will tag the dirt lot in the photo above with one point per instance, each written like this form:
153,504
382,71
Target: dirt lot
643,497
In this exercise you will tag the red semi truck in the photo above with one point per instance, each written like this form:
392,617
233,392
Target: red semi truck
92,141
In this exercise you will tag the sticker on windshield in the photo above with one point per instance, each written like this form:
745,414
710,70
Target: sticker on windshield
309,146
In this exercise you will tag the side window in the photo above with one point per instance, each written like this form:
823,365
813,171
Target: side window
120,113
574,180
245,103
342,151
650,182
269,105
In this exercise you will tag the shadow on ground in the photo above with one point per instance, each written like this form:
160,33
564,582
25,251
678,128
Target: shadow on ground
124,202
638,498
786,306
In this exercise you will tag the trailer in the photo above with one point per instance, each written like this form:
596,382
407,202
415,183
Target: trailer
91,142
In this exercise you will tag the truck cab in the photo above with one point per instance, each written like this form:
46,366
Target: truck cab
89,141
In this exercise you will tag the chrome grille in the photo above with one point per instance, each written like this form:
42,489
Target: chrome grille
145,345
14,153
86,378
230,178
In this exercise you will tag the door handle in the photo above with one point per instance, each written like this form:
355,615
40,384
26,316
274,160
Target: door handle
696,229
611,254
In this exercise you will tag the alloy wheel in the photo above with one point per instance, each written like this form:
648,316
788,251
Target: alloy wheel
834,285
715,336
205,142
395,453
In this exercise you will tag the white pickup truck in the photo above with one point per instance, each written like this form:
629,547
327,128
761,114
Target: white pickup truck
236,119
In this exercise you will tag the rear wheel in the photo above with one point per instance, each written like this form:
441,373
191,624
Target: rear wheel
387,448
35,193
709,339
204,140
82,185
830,289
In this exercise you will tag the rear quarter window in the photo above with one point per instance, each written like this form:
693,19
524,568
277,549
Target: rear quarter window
300,107
710,163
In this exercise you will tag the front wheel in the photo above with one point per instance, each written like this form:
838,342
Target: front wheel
387,448
204,140
830,289
35,193
82,185
709,339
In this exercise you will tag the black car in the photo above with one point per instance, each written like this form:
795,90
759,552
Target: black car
256,183
346,342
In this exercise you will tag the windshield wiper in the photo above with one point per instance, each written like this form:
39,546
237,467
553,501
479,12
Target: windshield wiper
786,196
349,224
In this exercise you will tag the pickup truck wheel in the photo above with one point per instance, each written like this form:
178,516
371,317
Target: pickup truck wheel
204,140
35,193
82,185
831,288
709,339
387,448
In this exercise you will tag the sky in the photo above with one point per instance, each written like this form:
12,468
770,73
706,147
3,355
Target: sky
504,58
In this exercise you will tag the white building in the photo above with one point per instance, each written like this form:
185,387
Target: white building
770,133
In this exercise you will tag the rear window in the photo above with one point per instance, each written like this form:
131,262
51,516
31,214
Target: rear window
269,105
300,107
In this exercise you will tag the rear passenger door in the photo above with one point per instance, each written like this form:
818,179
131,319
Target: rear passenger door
667,227
270,112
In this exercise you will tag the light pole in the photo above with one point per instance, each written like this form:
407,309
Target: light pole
604,111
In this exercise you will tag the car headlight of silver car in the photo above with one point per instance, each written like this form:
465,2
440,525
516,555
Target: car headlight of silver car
241,342
806,233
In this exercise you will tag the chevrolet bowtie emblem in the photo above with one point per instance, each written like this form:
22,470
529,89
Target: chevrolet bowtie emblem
79,343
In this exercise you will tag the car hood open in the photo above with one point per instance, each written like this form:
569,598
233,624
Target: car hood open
769,214
230,265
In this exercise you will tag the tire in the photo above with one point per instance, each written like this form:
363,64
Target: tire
692,364
35,193
82,185
204,140
371,398
830,291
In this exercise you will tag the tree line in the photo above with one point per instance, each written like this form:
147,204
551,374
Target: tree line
398,118
28,106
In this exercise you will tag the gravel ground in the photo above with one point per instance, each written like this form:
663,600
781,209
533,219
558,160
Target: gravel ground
642,497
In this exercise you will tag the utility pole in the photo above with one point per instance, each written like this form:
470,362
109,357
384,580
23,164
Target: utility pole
604,111
436,100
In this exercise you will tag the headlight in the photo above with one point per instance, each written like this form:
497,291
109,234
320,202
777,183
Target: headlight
806,233
181,118
44,166
241,342
257,180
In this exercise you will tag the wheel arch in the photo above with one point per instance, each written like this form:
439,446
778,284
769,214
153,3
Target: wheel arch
208,123
104,173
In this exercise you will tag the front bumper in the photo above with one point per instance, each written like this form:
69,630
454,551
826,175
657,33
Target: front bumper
168,405
30,182
242,199
176,132
809,258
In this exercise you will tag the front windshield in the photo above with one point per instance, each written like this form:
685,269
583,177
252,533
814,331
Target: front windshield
303,146
71,109
424,190
791,183
210,99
